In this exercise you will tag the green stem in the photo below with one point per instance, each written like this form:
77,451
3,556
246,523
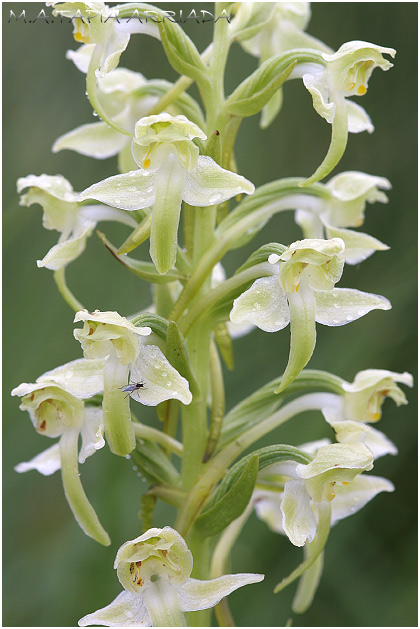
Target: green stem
157,436
65,292
76,497
201,553
217,467
216,295
217,401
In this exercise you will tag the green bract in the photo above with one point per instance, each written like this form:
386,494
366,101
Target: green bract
345,74
170,171
301,291
154,570
56,406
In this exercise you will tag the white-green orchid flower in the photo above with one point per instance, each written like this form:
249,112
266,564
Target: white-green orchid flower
236,330
117,95
345,207
362,399
282,29
346,73
98,25
65,214
290,505
301,292
56,406
154,570
170,171
109,336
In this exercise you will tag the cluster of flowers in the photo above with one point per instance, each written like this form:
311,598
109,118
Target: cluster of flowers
161,164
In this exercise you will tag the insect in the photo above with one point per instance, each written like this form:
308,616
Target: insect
133,386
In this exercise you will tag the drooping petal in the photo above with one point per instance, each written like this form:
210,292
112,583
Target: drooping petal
342,305
352,497
161,381
298,521
302,333
94,140
359,246
92,433
166,212
46,463
209,184
130,191
127,610
264,304
195,595
310,224
65,252
163,605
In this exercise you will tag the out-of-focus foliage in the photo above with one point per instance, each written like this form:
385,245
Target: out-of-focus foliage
53,573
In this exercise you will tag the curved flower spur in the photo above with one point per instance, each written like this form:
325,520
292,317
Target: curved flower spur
170,171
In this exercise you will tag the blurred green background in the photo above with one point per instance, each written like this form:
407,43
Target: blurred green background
53,573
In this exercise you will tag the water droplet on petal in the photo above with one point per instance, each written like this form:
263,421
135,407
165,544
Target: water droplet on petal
361,312
95,113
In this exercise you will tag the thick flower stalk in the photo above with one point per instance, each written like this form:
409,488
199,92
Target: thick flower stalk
154,570
57,408
170,171
301,292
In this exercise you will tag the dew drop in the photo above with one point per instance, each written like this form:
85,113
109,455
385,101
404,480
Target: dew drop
131,189
133,173
95,113
349,318
361,312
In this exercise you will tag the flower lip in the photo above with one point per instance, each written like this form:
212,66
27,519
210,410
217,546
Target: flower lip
166,128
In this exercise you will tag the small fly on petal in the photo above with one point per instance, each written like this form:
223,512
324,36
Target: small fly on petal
133,386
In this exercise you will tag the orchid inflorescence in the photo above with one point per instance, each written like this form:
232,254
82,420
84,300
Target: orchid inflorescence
174,160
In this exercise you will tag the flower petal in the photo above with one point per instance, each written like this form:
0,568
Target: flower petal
267,508
161,381
299,522
209,184
351,498
342,305
81,57
82,378
65,252
354,432
162,602
94,140
264,305
46,463
92,433
359,246
195,595
127,610
131,191
358,118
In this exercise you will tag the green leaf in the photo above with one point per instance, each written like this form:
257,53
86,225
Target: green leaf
254,93
158,324
225,345
139,235
231,504
213,147
181,52
151,462
266,456
144,270
177,354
